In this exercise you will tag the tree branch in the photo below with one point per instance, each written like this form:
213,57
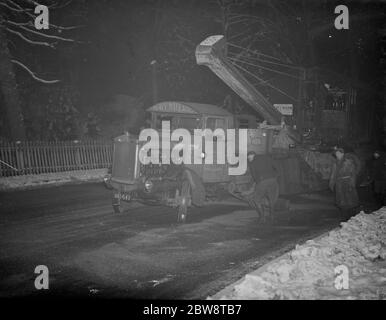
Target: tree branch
20,8
33,2
33,74
46,35
11,8
57,6
51,6
18,23
26,11
51,45
29,23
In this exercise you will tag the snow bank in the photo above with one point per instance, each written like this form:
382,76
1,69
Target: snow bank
56,178
308,271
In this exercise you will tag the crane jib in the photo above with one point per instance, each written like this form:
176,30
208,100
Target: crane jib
211,52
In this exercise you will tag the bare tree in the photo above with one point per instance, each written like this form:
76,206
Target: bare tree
17,24
281,29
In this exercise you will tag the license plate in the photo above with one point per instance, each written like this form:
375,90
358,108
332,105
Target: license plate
122,196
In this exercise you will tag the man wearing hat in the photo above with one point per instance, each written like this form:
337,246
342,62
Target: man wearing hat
343,182
265,191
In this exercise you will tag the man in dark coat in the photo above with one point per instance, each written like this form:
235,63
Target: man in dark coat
265,191
343,181
377,172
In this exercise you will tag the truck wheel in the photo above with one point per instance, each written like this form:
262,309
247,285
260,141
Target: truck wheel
182,208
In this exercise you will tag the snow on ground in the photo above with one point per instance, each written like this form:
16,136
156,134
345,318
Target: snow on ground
310,270
56,178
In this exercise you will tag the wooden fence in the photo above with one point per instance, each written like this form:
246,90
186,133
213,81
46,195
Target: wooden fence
34,157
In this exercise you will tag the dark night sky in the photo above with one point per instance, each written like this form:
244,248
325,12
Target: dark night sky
121,38
123,43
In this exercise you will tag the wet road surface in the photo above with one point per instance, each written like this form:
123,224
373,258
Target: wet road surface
142,253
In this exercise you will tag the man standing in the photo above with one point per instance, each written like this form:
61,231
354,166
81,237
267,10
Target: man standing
265,191
343,180
378,175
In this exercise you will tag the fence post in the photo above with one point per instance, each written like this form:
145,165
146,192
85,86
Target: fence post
19,157
78,161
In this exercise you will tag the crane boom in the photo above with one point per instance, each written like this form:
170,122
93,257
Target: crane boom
210,52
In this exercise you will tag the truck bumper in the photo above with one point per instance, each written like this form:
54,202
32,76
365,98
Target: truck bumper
162,192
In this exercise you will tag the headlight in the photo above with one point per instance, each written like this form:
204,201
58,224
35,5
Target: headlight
148,185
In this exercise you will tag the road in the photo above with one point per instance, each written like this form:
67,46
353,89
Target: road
142,253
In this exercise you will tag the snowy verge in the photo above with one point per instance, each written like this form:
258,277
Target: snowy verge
347,263
56,178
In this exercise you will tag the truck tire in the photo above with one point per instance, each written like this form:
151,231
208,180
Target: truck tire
182,209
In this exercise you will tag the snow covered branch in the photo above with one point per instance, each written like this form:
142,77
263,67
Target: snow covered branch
10,7
19,9
33,75
41,43
42,34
